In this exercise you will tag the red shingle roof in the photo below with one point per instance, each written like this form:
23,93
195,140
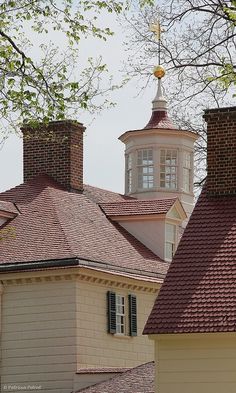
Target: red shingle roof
137,380
160,119
55,224
199,291
98,195
138,207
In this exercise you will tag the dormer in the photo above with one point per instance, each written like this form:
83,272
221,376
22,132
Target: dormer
156,223
7,212
159,158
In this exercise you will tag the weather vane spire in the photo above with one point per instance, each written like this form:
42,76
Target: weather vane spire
159,102
156,29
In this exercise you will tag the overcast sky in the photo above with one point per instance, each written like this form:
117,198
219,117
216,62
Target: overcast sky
103,152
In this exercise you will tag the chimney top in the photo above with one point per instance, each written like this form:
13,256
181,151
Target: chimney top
55,149
221,148
60,124
225,110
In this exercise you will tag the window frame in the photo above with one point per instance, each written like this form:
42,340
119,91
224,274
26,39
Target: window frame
148,166
173,242
129,172
164,165
120,315
128,314
187,171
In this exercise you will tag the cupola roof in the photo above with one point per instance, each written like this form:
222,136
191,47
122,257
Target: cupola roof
160,117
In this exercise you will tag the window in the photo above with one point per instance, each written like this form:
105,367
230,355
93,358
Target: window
129,172
145,169
121,319
168,169
170,241
120,314
187,172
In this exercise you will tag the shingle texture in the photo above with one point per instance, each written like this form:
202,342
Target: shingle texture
137,380
57,224
199,291
160,119
138,207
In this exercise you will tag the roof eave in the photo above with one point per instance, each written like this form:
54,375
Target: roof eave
189,134
18,267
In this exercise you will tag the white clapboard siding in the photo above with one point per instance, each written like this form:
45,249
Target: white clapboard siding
38,343
115,350
196,363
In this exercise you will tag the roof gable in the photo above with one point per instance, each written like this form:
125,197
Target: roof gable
141,207
176,211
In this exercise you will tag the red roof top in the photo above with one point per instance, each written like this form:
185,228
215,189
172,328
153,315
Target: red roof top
199,291
99,195
160,119
137,380
55,224
138,207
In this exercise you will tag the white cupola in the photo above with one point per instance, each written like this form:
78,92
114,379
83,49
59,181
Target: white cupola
159,157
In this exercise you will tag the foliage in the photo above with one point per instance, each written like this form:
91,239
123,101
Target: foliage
198,51
52,84
6,233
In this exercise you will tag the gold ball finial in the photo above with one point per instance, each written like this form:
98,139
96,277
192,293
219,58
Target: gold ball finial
159,72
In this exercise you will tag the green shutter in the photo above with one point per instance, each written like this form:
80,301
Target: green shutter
111,312
132,315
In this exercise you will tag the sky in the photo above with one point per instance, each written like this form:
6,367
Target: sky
103,152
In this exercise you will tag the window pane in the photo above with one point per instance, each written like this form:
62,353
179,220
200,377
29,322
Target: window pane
187,172
168,169
129,172
170,241
120,314
169,251
129,161
187,160
145,168
186,179
170,232
150,169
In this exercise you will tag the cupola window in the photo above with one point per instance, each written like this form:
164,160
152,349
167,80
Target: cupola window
145,169
187,172
129,172
168,169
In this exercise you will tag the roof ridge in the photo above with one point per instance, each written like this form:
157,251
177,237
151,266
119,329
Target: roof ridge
140,200
50,191
36,186
89,188
103,189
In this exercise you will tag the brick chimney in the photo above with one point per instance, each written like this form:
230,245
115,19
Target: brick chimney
221,151
55,150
